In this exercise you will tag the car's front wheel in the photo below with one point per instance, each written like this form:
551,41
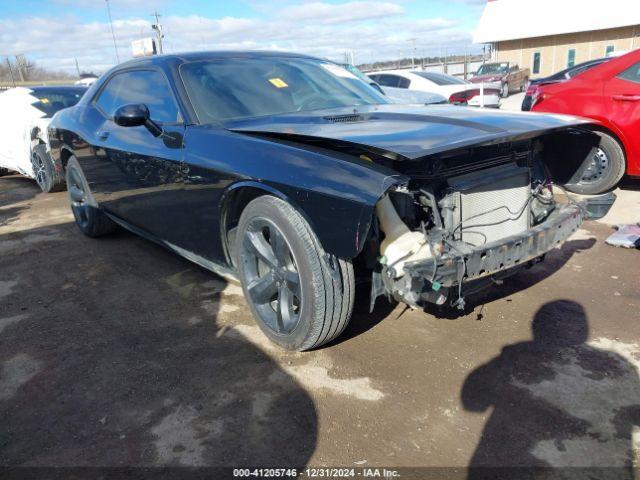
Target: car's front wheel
44,170
300,296
92,221
604,170
504,92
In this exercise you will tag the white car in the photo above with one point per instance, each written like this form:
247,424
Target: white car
400,95
456,90
24,145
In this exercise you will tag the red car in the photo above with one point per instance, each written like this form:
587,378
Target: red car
609,94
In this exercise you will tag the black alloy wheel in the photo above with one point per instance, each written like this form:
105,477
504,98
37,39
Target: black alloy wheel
271,276
78,196
300,296
92,221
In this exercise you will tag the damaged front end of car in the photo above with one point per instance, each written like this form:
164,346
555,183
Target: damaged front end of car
467,219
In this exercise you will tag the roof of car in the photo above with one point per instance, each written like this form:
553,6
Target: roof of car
59,88
209,55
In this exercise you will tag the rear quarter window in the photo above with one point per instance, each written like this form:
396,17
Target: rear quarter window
632,74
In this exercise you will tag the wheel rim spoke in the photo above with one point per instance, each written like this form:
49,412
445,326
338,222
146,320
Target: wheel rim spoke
262,289
256,242
292,282
285,308
279,246
76,194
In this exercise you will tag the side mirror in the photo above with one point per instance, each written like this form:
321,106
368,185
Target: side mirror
136,115
131,115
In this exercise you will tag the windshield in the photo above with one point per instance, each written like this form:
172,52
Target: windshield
237,88
51,101
440,78
493,68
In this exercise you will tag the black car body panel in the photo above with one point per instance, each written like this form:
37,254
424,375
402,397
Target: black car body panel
186,187
409,132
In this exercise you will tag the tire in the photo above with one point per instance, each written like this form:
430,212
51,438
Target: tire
44,171
605,170
525,84
92,221
4,171
280,260
504,91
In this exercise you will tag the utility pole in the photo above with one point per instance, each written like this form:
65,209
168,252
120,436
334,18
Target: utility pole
77,67
413,55
158,28
113,35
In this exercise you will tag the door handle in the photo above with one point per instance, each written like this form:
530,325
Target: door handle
626,98
103,135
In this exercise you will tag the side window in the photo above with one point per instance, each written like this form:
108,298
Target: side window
374,78
107,98
536,63
388,80
631,74
609,50
571,57
403,82
514,68
140,86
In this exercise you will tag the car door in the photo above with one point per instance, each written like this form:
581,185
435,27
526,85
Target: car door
622,98
138,175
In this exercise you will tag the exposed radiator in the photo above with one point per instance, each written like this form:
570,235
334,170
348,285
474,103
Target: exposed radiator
491,204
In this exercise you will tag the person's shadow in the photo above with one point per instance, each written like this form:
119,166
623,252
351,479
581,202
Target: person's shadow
557,401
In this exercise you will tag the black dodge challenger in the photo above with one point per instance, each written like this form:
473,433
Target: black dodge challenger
294,176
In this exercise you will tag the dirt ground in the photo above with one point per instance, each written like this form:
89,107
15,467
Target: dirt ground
115,352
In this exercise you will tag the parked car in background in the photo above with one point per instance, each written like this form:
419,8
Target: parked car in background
456,90
86,81
509,75
291,174
609,94
561,76
399,95
25,114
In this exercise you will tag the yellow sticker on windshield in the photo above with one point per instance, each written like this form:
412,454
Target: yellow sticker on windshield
278,82
45,100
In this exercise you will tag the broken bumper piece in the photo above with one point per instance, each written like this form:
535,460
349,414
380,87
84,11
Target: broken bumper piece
431,280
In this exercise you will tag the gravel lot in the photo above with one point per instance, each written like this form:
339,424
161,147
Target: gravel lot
116,352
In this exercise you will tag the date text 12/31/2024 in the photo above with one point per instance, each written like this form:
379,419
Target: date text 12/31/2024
323,472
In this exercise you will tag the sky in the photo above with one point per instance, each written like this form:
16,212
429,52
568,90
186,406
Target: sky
54,33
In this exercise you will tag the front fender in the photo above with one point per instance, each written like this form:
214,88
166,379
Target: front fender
336,194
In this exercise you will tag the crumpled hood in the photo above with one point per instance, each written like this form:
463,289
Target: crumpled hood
409,132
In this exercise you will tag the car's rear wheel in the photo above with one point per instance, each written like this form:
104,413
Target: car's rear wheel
44,170
92,221
4,171
300,296
525,84
605,168
504,91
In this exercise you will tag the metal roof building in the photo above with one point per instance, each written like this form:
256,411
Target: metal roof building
550,35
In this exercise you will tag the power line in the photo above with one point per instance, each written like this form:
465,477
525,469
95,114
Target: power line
113,35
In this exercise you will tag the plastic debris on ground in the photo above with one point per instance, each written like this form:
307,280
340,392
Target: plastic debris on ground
627,236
